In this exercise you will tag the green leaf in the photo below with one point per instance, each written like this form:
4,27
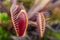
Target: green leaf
53,34
4,18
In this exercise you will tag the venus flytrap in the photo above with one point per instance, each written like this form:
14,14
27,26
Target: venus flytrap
24,21
20,23
41,24
20,20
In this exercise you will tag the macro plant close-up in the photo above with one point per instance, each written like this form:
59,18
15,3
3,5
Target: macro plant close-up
29,19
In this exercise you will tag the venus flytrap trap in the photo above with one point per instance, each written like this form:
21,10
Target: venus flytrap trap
20,20
41,24
20,23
